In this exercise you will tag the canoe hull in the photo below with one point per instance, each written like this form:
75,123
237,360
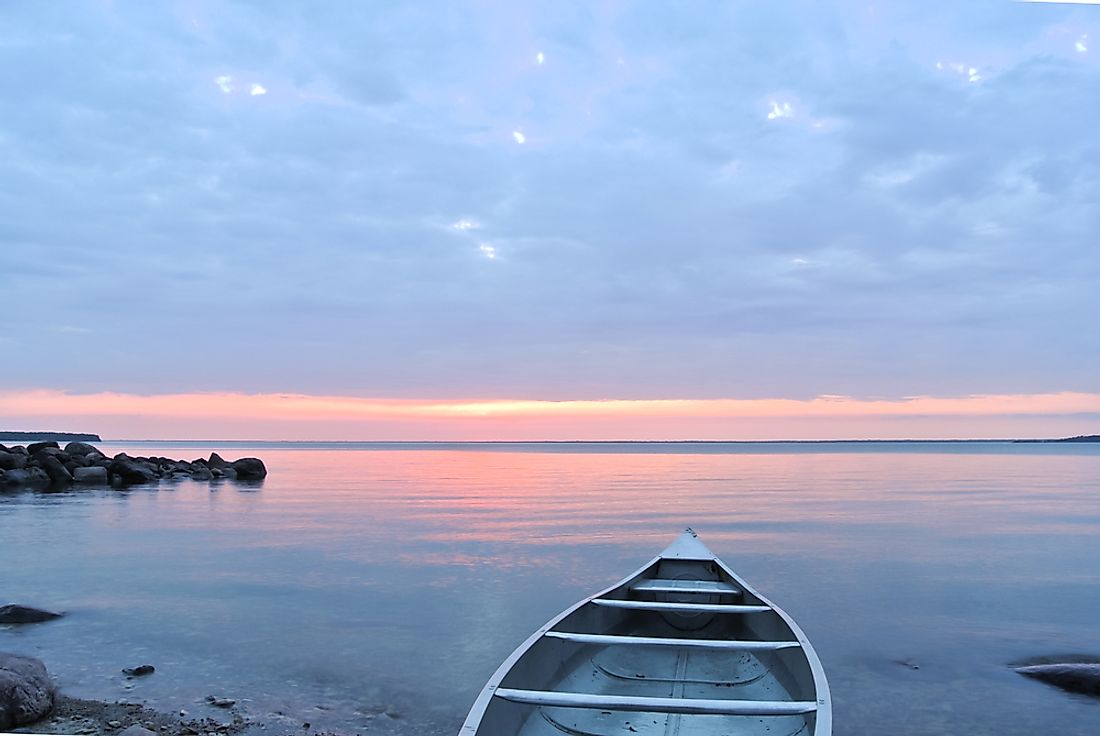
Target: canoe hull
681,646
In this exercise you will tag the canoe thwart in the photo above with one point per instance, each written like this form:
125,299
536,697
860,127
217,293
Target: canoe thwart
658,705
655,585
680,607
648,641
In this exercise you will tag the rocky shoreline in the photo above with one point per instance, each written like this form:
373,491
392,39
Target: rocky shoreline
48,466
30,703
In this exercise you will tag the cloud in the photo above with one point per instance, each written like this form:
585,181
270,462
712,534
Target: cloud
213,245
257,89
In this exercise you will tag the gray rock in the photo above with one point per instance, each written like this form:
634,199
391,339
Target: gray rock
7,460
80,448
93,475
139,671
250,468
132,471
36,447
57,472
1074,677
216,461
13,613
39,478
136,730
26,693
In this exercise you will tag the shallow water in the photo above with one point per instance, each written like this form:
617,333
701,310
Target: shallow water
361,578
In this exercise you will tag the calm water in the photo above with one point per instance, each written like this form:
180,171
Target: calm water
361,578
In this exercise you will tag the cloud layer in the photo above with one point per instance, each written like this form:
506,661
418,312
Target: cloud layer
581,201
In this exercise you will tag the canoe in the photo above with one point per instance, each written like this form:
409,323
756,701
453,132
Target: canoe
681,647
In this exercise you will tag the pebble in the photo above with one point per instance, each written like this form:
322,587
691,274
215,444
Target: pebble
114,724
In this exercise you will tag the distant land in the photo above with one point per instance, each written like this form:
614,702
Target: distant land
48,436
1078,438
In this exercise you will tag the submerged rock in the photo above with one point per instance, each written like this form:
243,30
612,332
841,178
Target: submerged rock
13,613
26,693
1074,677
140,670
136,730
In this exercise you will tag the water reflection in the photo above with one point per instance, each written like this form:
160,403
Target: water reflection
355,578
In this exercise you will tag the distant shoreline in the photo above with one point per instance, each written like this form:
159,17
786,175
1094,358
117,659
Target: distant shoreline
49,437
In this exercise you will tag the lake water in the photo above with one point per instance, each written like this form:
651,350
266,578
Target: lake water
362,578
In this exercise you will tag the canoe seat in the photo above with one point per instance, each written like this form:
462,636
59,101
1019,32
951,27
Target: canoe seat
654,585
654,641
658,705
679,607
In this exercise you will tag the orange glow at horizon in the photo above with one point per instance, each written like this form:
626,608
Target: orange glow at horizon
354,417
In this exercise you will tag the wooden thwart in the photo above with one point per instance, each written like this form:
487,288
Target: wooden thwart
727,644
698,706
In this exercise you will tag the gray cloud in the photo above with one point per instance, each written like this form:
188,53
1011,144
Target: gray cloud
903,230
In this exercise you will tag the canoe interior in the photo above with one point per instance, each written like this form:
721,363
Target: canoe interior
622,668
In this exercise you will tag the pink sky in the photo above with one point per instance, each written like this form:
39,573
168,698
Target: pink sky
230,416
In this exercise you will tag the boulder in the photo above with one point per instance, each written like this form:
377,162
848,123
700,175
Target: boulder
13,461
58,473
26,693
36,447
1074,677
93,475
217,462
80,448
140,671
13,613
250,468
132,471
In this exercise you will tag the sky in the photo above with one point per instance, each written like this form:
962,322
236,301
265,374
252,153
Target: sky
550,221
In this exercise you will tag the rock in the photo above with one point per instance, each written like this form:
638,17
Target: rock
132,471
13,613
17,477
38,477
93,475
7,460
216,461
36,447
80,448
220,702
250,468
136,730
202,473
26,693
58,473
1074,677
114,724
140,670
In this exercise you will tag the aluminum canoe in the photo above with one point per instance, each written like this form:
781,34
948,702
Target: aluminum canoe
682,647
